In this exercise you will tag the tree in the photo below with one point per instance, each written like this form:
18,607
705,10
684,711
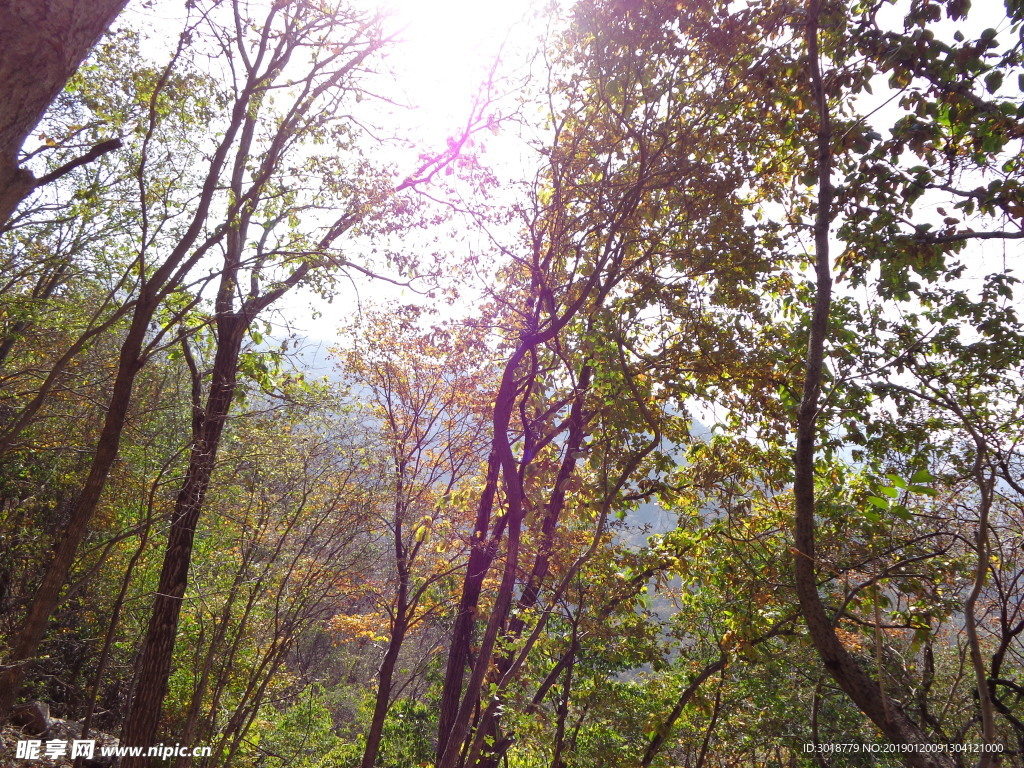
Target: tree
258,250
618,212
239,193
845,561
423,391
926,259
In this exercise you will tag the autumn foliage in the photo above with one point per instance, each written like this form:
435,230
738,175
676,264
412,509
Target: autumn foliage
684,433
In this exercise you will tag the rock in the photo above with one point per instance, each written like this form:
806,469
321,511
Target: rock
33,718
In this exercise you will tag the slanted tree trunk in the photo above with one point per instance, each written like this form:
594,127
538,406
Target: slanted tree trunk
480,558
399,627
578,420
216,648
41,46
158,648
27,640
453,723
385,681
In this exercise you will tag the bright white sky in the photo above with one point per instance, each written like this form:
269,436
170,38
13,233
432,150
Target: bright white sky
443,52
445,49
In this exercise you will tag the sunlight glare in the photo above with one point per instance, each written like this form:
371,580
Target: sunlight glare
443,52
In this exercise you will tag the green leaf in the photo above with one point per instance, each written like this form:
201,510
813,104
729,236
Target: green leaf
900,511
897,481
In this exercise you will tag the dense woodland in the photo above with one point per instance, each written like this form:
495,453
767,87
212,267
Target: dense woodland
759,281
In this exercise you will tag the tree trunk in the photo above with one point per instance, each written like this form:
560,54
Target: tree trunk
385,678
115,617
188,731
55,36
140,727
490,722
480,558
659,740
402,617
503,597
